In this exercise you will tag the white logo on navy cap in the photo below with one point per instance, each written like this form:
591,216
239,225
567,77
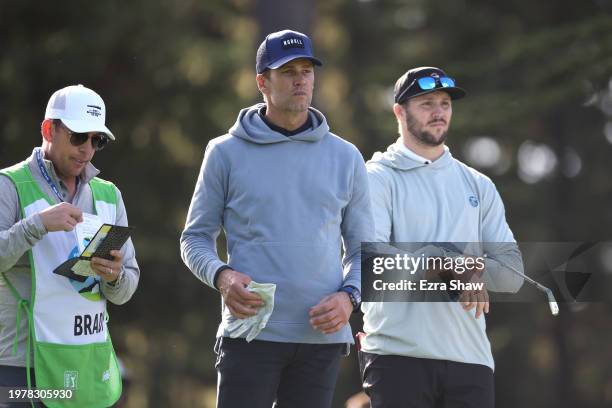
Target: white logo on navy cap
293,42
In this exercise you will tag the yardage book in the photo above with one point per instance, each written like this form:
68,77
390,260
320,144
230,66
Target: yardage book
97,243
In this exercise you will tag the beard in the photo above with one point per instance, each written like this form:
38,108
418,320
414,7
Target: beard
423,136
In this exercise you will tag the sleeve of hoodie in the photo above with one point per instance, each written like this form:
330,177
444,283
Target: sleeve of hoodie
499,244
381,198
381,201
16,235
382,214
356,223
205,217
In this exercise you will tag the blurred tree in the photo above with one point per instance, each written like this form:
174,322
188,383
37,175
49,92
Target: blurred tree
175,74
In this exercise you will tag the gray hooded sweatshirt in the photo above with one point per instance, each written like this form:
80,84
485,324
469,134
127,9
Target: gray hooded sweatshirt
442,201
286,205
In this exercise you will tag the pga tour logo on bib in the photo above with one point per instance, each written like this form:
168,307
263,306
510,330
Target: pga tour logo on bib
71,380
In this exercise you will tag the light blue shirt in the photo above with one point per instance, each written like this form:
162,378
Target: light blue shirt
415,200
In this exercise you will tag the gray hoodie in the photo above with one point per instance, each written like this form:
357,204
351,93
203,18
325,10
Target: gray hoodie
442,201
286,205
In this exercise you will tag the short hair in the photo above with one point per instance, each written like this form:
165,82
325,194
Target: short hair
266,74
407,114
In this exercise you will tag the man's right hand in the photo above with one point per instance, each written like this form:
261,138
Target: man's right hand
61,217
241,302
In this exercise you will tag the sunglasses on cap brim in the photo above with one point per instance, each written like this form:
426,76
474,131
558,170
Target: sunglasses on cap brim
429,83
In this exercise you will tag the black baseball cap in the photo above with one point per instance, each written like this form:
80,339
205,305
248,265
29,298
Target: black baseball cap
281,47
408,86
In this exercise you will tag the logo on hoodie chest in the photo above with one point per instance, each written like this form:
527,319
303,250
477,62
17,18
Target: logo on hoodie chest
473,201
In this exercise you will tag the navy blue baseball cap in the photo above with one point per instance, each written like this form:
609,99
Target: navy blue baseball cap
281,47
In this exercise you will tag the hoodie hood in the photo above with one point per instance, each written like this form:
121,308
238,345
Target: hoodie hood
251,127
395,158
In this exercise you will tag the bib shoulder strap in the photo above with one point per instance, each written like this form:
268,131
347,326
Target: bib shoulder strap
103,190
19,172
27,188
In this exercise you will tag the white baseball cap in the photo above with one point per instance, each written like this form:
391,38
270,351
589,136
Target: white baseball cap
80,109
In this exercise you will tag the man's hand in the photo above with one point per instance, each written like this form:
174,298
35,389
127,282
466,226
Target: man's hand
473,271
475,298
332,313
61,217
435,273
241,302
464,272
105,269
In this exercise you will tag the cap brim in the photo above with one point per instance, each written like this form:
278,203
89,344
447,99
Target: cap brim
455,92
81,126
279,63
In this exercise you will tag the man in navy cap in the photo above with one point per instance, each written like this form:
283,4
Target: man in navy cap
288,194
434,354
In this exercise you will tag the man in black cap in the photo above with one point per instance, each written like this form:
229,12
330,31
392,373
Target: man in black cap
434,354
288,194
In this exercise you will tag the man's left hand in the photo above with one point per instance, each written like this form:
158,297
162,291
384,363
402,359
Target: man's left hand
478,299
332,313
107,270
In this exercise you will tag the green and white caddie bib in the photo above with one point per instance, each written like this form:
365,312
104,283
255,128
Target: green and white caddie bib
66,318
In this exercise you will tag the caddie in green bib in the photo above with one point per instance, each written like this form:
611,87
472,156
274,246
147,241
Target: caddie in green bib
60,320
66,319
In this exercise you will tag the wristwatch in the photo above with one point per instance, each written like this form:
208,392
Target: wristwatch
354,295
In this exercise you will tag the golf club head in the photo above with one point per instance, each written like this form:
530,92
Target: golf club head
552,303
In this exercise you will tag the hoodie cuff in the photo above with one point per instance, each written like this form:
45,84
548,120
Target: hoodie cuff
34,228
217,273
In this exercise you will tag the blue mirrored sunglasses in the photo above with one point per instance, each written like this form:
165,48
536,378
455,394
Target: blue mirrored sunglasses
427,83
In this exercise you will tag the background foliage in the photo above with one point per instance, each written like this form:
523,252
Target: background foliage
538,120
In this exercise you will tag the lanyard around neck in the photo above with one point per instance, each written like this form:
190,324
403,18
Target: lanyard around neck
45,174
